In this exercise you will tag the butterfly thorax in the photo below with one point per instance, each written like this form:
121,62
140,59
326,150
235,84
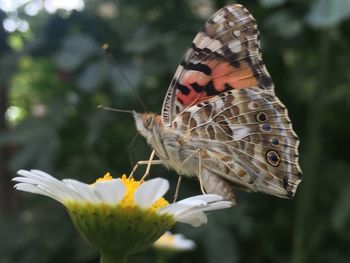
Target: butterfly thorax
172,147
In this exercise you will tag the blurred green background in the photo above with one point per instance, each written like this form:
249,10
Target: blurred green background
53,74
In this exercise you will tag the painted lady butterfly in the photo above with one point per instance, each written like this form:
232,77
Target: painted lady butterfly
221,120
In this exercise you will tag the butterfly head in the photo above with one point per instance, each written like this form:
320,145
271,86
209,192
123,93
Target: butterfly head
148,124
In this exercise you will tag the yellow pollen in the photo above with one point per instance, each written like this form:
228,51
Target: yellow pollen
106,177
129,201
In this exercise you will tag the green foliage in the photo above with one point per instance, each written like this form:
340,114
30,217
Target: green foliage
57,74
328,13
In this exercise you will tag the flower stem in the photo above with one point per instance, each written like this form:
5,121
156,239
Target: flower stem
113,258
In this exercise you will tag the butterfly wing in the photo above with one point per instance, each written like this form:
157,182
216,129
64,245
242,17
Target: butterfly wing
247,139
222,98
224,55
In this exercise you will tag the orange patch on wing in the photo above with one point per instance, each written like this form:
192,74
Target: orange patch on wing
188,78
192,76
223,73
191,98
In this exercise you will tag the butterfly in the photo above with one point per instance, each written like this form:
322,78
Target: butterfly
221,120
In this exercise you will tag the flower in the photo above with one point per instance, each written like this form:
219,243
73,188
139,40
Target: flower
120,216
174,242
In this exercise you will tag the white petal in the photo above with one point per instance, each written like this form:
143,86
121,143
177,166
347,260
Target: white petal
192,202
208,198
36,190
110,192
202,208
45,181
184,206
194,219
174,242
150,191
182,243
218,205
43,174
190,210
84,190
205,203
177,209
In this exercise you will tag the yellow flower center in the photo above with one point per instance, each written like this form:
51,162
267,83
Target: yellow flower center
129,201
131,185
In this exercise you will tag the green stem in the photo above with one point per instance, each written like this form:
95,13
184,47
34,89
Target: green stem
113,257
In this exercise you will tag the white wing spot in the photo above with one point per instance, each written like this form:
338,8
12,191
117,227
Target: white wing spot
219,18
202,41
214,45
239,132
235,46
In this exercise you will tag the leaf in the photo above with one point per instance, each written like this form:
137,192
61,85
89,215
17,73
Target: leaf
328,13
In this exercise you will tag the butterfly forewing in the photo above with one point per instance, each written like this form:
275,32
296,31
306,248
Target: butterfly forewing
224,55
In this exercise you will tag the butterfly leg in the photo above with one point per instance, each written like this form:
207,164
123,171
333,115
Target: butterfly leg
180,176
199,152
177,188
148,163
200,172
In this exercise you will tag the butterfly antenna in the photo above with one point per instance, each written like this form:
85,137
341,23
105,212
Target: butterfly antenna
114,63
112,109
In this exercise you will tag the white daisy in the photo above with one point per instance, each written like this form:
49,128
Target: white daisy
112,191
115,214
174,242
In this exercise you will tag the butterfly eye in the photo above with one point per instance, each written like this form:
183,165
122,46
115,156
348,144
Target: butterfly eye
149,122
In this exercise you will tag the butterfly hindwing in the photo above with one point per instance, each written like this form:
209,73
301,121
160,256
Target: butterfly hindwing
247,138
